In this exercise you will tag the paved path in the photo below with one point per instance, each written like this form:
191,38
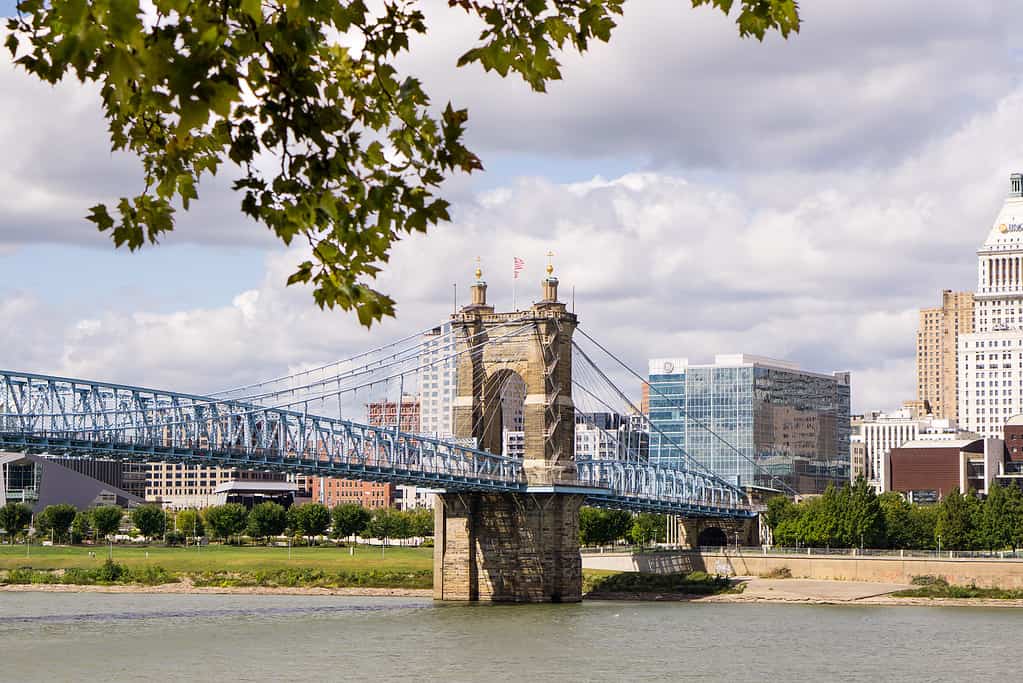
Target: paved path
812,590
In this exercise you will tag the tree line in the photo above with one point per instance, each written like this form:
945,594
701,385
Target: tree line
607,527
64,523
855,516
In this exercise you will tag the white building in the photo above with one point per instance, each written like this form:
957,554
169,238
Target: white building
609,436
884,431
437,382
991,359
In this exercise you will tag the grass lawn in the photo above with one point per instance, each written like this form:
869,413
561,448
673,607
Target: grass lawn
220,558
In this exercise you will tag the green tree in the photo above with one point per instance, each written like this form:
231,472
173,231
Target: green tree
603,527
267,519
56,520
779,509
349,519
421,521
590,526
360,150
821,519
310,519
898,523
190,523
81,527
647,528
1001,517
150,520
106,520
226,520
956,521
384,524
862,518
15,518
923,521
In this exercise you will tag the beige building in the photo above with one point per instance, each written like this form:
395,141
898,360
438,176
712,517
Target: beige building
937,342
177,486
857,449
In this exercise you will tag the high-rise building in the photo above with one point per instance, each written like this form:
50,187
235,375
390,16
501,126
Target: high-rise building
857,449
991,358
752,420
937,352
437,382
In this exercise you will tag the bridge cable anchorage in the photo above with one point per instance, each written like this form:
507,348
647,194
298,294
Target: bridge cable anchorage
759,468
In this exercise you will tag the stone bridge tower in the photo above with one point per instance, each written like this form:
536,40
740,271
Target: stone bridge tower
515,547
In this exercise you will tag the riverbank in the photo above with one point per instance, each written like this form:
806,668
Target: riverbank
186,586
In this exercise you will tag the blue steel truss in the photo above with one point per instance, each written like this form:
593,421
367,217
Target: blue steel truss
62,415
42,413
647,487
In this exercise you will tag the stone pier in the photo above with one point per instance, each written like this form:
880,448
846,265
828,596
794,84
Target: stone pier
521,546
508,547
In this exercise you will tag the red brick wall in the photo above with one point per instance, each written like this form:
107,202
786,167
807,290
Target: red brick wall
1014,442
917,469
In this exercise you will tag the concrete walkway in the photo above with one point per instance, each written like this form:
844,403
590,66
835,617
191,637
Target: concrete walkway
810,590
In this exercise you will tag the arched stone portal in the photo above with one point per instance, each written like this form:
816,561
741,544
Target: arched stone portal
519,547
712,536
503,410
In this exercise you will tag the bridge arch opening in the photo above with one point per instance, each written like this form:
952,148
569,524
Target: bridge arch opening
504,398
712,536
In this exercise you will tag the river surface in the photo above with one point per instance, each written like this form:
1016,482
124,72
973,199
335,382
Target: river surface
121,637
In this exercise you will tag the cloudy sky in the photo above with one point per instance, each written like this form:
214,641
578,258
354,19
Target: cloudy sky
702,194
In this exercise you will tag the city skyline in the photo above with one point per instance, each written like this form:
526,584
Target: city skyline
803,214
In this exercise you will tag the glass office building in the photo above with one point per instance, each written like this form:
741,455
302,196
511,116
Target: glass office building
752,420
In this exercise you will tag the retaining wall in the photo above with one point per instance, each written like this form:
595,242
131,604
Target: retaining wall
987,573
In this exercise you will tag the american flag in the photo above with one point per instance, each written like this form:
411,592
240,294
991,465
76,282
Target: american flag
517,265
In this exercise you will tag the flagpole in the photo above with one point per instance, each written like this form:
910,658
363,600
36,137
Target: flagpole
515,281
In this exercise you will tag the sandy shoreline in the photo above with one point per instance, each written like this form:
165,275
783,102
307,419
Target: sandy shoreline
873,602
750,597
185,586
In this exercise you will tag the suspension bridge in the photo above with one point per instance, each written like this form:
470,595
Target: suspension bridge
507,517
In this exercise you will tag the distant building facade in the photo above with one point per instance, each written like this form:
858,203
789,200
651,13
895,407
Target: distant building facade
333,491
610,436
883,432
177,486
38,482
752,420
991,357
437,382
857,449
937,353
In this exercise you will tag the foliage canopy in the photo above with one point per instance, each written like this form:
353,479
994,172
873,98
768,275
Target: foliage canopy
330,143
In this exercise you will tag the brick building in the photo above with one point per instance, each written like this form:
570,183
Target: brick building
371,494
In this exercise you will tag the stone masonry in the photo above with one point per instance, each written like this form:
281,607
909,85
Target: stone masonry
514,547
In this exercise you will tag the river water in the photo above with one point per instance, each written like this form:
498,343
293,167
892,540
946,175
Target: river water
104,637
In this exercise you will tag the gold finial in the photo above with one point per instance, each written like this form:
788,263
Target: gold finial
479,270
550,266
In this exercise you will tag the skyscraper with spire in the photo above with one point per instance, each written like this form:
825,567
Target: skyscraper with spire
991,358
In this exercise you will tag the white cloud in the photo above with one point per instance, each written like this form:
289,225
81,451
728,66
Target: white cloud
797,199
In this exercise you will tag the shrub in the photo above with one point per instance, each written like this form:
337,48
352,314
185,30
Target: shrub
778,573
929,580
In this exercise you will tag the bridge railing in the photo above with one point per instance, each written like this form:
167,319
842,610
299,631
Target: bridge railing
662,485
